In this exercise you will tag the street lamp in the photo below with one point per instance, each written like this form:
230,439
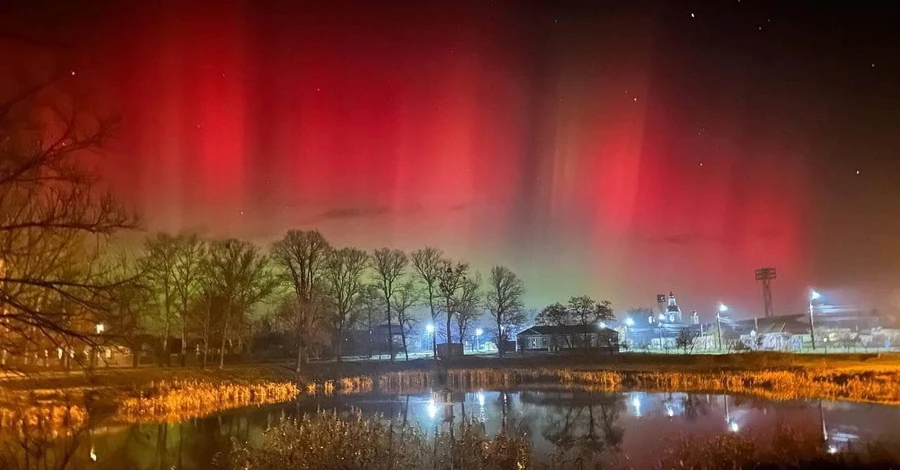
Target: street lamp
429,328
722,309
478,333
813,295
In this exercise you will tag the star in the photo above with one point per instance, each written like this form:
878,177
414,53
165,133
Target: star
73,72
693,16
635,98
857,172
873,66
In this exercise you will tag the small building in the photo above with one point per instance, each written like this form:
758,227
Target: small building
560,337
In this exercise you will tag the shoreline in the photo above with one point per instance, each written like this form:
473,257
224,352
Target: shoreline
871,378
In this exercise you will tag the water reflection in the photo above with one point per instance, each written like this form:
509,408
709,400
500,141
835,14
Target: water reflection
591,427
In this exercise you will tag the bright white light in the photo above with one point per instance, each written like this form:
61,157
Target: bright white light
662,316
733,427
479,332
480,397
832,450
602,324
100,328
723,308
669,411
693,16
650,319
636,403
813,295
629,321
93,455
432,409
429,328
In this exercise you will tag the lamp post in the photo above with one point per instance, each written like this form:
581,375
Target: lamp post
722,309
813,295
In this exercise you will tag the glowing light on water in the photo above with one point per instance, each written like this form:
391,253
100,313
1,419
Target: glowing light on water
636,403
432,409
733,427
832,450
480,397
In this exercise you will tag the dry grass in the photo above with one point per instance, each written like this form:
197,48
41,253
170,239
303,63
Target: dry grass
328,441
48,420
177,400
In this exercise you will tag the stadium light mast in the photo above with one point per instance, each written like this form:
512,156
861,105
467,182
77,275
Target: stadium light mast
766,275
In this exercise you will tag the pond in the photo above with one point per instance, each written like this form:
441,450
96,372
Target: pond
631,429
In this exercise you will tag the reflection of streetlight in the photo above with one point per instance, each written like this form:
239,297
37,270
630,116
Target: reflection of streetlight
813,295
432,409
478,333
733,427
636,403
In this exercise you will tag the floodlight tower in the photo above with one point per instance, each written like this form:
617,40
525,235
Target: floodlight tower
766,275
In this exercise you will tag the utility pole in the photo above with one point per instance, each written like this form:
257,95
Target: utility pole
719,331
766,275
812,328
722,309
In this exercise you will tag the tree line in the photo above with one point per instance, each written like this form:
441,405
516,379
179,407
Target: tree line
181,284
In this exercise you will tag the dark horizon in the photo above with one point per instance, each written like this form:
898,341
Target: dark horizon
618,150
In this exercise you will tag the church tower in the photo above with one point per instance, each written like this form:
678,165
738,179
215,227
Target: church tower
673,311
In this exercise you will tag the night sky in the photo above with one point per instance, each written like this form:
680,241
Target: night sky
618,149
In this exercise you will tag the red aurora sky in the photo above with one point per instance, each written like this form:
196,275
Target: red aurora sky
620,150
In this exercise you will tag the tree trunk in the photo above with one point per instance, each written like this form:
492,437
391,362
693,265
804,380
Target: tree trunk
183,358
449,333
340,339
222,350
433,321
135,357
301,354
500,342
403,337
387,299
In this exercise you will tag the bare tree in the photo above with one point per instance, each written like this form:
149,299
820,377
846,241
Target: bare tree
389,266
343,280
427,262
54,225
468,304
188,281
240,276
584,311
372,305
408,296
160,259
451,281
132,304
504,301
300,255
